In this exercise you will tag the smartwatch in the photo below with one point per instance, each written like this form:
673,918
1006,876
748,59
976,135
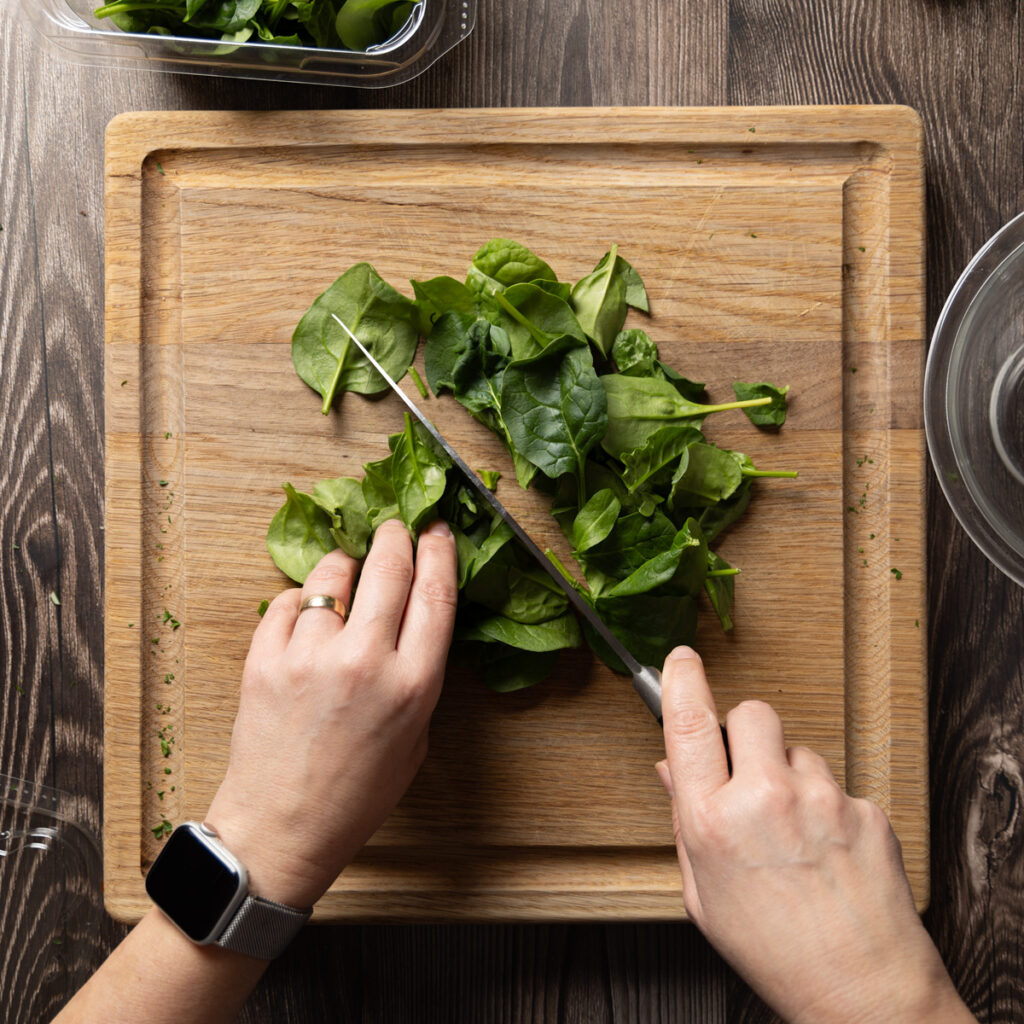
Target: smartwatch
204,890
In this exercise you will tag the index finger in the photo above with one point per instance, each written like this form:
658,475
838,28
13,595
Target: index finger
693,737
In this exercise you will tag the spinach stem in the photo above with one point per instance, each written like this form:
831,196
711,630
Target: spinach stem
722,572
788,474
747,404
336,379
537,336
557,563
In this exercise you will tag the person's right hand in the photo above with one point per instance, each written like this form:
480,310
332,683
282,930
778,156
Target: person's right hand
799,886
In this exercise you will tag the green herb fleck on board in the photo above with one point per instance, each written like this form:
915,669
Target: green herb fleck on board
164,483
862,249
167,771
751,129
167,435
169,618
853,369
125,381
896,573
418,381
262,609
165,828
160,168
490,477
917,623
168,678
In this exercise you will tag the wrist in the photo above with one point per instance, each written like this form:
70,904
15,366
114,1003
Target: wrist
273,855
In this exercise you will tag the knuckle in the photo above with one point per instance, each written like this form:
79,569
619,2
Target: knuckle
393,568
439,593
332,571
826,797
775,797
689,721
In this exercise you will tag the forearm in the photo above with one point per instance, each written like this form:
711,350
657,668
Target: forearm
159,976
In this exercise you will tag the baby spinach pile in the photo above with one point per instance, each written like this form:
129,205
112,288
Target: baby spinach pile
332,24
590,415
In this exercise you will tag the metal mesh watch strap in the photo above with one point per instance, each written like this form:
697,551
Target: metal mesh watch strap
262,928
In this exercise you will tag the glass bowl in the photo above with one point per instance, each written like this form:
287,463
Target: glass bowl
70,30
974,399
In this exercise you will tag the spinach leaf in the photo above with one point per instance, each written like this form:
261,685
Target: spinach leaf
299,535
418,475
654,461
552,635
342,499
534,318
522,594
636,293
719,517
634,540
639,406
771,415
636,355
721,589
363,23
705,476
595,520
649,625
501,263
599,301
445,295
505,669
554,407
386,322
680,568
379,495
468,358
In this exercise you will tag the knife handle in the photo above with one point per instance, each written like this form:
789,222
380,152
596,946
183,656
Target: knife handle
648,684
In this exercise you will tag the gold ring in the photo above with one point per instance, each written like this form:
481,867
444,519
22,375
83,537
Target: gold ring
324,601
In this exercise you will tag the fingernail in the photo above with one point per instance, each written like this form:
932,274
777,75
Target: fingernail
683,654
666,777
438,528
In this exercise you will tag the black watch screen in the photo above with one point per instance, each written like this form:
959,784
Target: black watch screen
192,884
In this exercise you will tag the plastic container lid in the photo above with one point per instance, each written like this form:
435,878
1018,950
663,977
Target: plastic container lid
72,32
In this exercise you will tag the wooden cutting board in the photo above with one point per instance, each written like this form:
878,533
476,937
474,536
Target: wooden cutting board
781,244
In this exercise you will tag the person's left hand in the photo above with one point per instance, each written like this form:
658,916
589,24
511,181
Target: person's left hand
333,715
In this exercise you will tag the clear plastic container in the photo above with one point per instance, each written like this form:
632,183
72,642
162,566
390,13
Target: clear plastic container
50,863
71,31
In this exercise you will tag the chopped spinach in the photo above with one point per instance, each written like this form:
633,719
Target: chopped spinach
636,486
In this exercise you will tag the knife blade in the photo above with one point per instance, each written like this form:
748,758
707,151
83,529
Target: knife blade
646,678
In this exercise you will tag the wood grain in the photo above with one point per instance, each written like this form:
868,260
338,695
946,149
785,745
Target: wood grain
828,286
954,62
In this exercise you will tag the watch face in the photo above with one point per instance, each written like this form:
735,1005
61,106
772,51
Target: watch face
192,884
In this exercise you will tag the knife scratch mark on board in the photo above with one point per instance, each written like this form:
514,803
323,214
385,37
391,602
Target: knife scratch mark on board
712,203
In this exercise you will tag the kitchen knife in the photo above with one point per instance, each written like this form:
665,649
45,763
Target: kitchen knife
646,678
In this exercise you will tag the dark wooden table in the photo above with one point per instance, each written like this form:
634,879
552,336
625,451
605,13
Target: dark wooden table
956,61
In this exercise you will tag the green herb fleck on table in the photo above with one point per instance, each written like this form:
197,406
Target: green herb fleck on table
54,598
